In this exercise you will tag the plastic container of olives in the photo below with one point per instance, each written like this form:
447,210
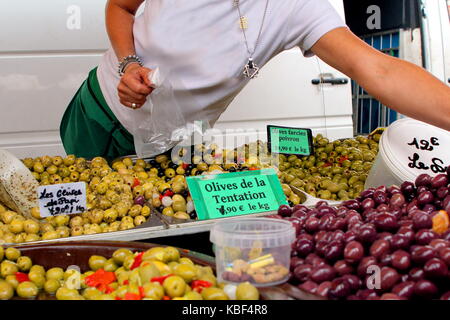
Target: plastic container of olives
256,250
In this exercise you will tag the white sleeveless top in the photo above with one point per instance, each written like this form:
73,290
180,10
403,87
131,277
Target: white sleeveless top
199,46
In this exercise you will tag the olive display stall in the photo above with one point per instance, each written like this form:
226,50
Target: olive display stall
134,199
388,242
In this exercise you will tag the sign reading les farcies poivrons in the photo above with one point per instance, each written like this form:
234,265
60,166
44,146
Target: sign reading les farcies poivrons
65,198
287,140
234,194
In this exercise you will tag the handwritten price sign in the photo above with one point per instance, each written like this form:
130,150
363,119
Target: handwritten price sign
59,199
415,162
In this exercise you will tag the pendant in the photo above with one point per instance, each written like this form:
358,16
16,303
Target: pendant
251,69
243,23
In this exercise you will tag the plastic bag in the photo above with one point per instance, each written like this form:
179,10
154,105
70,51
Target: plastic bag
162,124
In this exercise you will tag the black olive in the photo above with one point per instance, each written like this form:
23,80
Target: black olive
168,179
161,208
191,166
232,169
291,204
198,172
153,162
193,215
187,172
185,193
160,174
173,166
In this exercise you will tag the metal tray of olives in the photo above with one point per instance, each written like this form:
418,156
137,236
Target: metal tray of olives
77,253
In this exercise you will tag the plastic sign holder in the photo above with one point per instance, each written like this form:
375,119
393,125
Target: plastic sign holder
287,140
234,194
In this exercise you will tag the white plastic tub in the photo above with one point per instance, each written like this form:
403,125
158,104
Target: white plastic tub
400,144
256,250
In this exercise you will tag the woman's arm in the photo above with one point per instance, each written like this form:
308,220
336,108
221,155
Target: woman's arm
134,86
398,84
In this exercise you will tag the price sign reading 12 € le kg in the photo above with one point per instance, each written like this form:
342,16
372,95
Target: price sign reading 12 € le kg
237,193
65,198
288,140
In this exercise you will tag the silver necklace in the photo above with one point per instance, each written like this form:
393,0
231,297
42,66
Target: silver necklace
251,69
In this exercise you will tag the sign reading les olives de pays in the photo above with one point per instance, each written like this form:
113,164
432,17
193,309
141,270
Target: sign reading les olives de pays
65,198
237,193
290,140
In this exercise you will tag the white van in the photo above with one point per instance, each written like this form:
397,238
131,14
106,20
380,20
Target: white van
47,48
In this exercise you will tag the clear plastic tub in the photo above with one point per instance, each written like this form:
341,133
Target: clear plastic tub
256,250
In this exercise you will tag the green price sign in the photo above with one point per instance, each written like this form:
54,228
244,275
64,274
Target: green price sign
290,140
237,193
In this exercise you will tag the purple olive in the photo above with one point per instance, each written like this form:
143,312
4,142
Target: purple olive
408,188
285,211
318,236
300,207
304,247
379,247
435,268
425,236
407,232
383,207
389,278
416,274
333,250
425,288
422,254
448,171
442,192
385,259
365,294
321,203
322,289
349,236
401,260
342,267
422,189
412,206
353,252
309,286
437,244
354,281
352,204
423,179
429,208
325,210
404,289
295,262
441,180
425,198
386,221
364,264
380,197
312,224
339,289
140,200
326,221
367,233
302,272
399,241
444,254
397,200
322,273
367,203
421,220
367,193
445,296
393,190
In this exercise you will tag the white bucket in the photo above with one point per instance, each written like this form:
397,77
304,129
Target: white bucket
407,149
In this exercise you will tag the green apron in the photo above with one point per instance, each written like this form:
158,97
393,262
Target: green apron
90,129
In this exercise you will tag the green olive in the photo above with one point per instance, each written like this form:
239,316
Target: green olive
67,294
55,274
37,269
12,280
12,254
110,265
8,268
96,262
6,290
27,290
24,263
37,278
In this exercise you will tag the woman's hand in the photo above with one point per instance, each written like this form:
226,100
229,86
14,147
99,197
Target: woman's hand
134,86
